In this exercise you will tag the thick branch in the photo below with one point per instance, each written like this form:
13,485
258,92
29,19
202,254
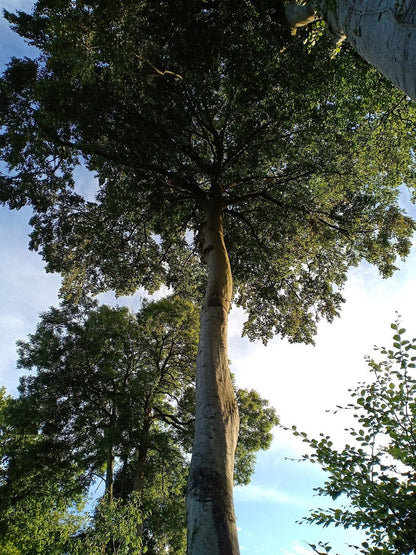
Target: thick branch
173,421
382,32
298,15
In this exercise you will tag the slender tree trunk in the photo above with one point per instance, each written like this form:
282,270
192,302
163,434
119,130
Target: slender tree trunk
141,460
383,32
122,490
138,480
109,474
212,526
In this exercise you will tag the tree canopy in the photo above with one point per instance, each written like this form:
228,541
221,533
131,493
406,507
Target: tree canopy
170,102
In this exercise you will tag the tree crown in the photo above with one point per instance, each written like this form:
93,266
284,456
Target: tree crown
177,109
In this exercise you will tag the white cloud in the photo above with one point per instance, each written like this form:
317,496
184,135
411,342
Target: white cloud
254,493
303,382
297,549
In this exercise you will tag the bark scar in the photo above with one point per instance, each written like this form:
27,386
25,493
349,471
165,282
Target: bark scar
209,411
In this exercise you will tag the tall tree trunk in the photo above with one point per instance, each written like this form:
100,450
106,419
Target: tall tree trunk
138,478
383,32
122,486
212,528
109,474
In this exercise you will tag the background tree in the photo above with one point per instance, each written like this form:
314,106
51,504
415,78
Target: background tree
114,529
112,395
40,518
382,32
219,140
376,474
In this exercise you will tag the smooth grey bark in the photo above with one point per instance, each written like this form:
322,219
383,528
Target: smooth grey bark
383,32
212,528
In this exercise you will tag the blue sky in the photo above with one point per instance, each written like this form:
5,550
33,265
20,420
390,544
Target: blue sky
301,382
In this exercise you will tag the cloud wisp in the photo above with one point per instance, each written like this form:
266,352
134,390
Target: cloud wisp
255,493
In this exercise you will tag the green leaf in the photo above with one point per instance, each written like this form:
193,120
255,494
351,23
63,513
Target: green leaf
377,474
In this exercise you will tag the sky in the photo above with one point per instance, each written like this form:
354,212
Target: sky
301,382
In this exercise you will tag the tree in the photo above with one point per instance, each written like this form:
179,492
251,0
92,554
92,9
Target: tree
38,519
114,531
376,474
225,165
382,32
111,394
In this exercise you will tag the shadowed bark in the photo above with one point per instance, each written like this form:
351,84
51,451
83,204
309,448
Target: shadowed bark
383,32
